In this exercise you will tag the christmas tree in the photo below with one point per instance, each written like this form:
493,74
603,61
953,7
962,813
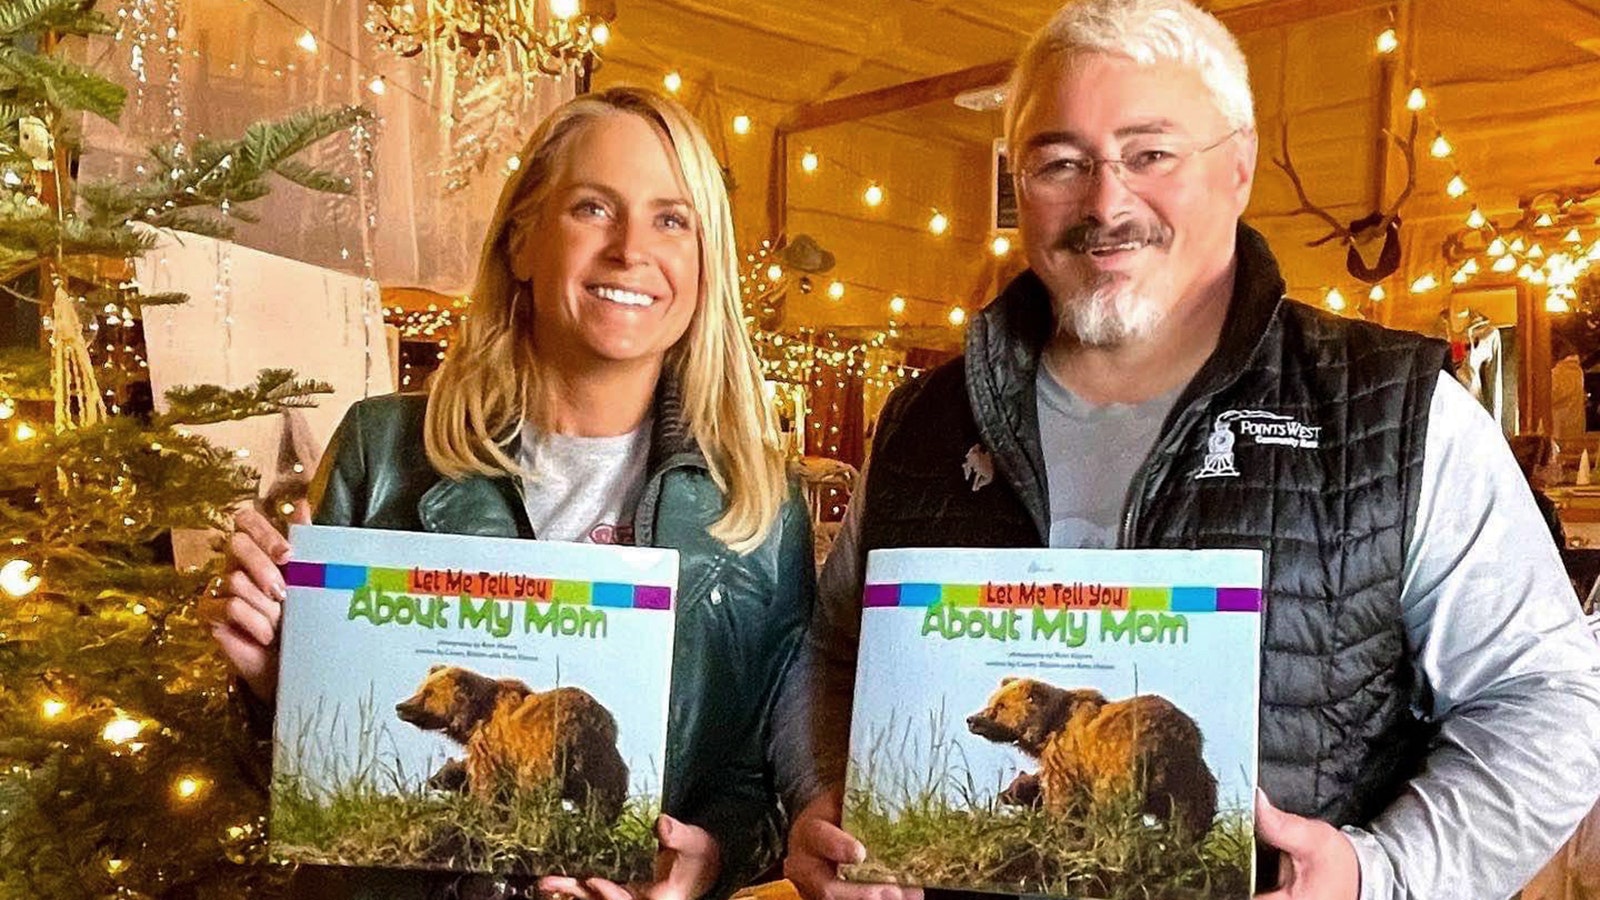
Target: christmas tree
122,770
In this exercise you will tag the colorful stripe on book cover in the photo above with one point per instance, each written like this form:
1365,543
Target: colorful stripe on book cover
481,585
1175,599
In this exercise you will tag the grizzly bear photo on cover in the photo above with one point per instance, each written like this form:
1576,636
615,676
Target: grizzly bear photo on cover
501,755
519,740
1092,783
1092,751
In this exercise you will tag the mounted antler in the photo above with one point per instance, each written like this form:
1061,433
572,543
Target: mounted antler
1373,241
1306,206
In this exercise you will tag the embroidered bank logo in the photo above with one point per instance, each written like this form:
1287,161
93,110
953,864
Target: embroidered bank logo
1219,451
1265,427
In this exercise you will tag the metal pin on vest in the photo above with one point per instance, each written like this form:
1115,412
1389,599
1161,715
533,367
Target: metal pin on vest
978,467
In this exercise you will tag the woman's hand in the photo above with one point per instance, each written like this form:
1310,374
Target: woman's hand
687,866
245,606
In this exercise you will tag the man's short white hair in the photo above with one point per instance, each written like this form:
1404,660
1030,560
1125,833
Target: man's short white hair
1146,31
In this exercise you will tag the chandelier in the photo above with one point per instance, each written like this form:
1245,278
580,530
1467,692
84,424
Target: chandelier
536,37
486,61
1550,243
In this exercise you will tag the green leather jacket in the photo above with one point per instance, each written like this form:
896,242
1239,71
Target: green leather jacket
740,617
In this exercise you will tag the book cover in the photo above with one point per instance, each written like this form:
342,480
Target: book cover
471,704
1069,723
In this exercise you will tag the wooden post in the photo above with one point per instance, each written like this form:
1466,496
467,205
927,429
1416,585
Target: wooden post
1533,346
778,185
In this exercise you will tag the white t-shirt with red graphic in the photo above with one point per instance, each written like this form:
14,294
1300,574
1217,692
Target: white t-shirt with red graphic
583,488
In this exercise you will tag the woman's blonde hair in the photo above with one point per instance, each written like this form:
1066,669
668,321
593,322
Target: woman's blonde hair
492,379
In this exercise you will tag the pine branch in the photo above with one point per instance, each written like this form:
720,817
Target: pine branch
88,500
24,17
23,245
25,373
314,179
266,145
10,155
193,221
63,85
38,235
14,264
275,391
218,172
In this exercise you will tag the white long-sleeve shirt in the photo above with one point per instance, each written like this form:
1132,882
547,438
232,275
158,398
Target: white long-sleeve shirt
1496,635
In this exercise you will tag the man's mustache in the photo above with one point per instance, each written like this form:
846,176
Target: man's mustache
1090,235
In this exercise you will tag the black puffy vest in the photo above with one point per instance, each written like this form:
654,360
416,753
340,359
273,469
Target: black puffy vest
1338,737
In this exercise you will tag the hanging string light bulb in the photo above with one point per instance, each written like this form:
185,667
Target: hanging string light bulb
15,579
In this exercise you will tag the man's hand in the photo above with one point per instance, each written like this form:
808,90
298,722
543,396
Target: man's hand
818,846
687,866
1317,861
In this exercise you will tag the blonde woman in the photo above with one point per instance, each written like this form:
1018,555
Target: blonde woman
603,389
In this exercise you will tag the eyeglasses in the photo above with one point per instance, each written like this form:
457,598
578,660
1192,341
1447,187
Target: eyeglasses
1065,176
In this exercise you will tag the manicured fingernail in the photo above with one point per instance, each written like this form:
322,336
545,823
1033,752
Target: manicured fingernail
666,827
861,852
281,591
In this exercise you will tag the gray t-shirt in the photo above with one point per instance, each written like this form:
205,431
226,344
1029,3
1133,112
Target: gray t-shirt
1090,456
583,488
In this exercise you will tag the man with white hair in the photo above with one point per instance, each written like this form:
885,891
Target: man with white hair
1430,705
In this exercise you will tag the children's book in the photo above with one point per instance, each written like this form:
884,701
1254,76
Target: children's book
472,704
1068,723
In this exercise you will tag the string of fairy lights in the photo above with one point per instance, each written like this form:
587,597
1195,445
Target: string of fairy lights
873,192
1547,245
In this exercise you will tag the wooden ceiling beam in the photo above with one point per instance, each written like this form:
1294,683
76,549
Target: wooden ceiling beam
1582,9
895,98
1280,13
